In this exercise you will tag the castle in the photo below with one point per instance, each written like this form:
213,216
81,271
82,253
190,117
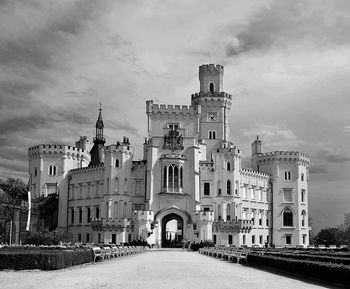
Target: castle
190,184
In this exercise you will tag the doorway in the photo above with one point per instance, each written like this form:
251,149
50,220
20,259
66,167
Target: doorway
172,231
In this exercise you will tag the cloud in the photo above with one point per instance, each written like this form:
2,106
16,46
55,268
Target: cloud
274,136
291,22
347,128
318,169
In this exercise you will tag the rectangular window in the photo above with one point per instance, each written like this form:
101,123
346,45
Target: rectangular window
259,194
230,239
287,175
302,177
206,209
252,218
80,215
97,214
253,239
88,215
302,196
288,239
244,215
79,237
260,219
260,239
287,195
87,237
206,189
138,185
114,238
267,239
72,216
304,239
267,220
214,239
244,192
252,195
99,237
244,240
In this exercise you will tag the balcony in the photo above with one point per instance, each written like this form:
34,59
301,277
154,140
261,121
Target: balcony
121,223
239,226
206,216
96,223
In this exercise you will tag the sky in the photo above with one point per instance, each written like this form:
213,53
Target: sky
287,66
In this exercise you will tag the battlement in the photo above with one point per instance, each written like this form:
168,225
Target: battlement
208,68
91,169
56,149
209,96
152,108
250,173
284,156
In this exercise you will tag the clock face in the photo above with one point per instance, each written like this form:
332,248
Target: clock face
212,116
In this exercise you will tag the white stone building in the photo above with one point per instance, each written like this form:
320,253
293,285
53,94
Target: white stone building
191,173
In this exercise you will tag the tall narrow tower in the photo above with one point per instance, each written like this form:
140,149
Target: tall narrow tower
97,151
215,104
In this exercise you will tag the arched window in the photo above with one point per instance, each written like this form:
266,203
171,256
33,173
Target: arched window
210,135
228,212
228,187
303,218
219,211
124,210
125,185
165,177
214,135
228,166
211,87
288,218
116,185
176,177
181,177
236,189
117,163
116,215
170,179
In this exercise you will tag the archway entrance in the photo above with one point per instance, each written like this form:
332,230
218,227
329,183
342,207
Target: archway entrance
172,231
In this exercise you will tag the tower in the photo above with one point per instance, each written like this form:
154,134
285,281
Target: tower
215,106
97,151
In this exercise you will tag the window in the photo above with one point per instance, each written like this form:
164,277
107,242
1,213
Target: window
117,163
97,213
244,192
116,216
287,175
214,239
258,192
35,172
252,195
287,218
79,237
288,239
52,170
206,189
206,209
173,177
260,219
236,189
72,215
228,187
253,239
304,239
87,237
260,239
99,237
138,186
212,134
303,218
116,184
244,240
287,196
211,87
174,126
228,166
302,177
267,219
244,215
303,193
230,239
219,212
252,218
88,215
125,185
228,212
165,177
124,213
80,215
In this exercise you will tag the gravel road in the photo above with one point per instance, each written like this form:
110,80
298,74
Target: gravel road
165,269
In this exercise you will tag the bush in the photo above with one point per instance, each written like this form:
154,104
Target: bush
43,259
323,271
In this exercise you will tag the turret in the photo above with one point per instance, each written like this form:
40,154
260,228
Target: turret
256,150
211,78
97,151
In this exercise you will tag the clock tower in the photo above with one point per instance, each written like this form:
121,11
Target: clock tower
215,105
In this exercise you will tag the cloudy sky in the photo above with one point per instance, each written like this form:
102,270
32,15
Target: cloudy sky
287,65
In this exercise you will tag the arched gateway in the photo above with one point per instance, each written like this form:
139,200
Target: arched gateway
172,230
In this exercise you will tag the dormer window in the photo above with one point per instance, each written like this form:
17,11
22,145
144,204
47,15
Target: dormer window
211,87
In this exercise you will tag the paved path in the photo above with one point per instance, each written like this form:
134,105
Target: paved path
163,269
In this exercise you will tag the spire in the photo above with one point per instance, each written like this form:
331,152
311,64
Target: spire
99,125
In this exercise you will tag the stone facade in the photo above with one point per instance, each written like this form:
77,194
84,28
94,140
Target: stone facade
190,172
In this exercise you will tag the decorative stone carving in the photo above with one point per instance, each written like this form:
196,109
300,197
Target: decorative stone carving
173,141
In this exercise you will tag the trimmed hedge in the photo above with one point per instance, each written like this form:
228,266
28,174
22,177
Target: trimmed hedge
43,260
324,271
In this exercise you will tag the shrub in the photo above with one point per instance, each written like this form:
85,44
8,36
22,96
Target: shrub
43,259
323,271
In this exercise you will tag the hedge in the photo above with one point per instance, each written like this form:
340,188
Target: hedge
44,260
324,271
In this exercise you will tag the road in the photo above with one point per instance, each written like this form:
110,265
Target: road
165,269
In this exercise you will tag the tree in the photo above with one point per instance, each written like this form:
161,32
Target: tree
329,236
13,191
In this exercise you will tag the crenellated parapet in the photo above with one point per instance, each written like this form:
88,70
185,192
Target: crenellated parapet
57,151
209,68
211,99
283,157
163,109
87,170
254,174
